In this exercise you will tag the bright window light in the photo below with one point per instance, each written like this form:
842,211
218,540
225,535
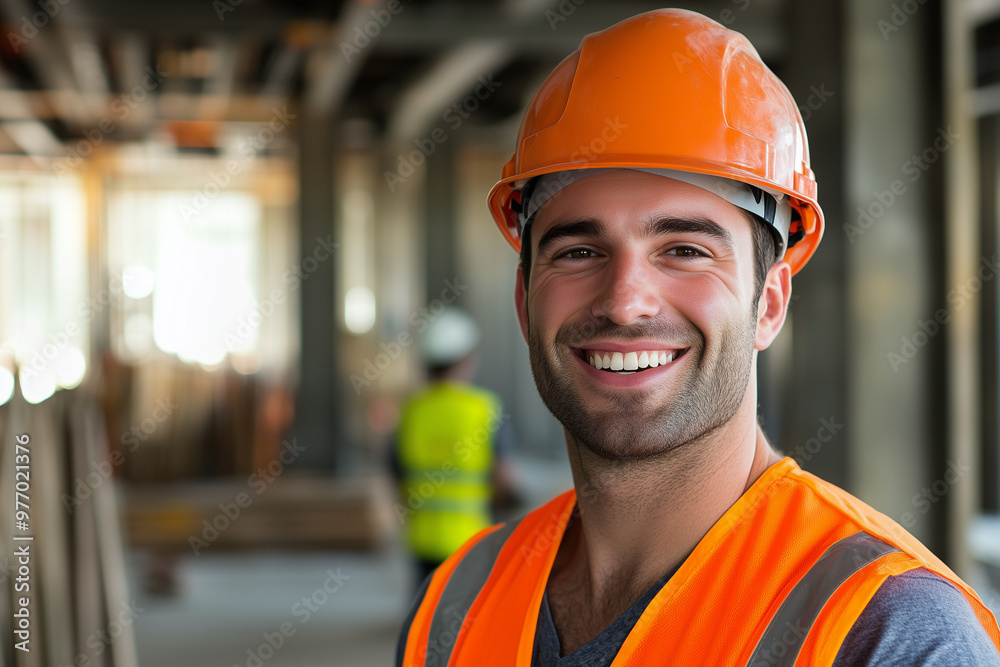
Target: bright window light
36,386
138,281
204,301
359,310
6,385
71,367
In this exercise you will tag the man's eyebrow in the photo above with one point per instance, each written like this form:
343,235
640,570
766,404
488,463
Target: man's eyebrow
703,226
586,227
655,227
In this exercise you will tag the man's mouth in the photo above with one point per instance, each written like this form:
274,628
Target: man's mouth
627,363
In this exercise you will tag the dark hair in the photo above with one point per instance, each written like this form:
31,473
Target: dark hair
763,252
437,371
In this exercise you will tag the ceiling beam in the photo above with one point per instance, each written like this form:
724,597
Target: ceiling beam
452,77
280,72
982,11
336,68
47,58
219,88
34,138
131,54
180,19
558,32
85,59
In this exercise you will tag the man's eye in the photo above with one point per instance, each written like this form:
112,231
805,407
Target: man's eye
685,251
577,253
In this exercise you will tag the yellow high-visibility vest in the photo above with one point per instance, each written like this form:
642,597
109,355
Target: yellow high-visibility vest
446,451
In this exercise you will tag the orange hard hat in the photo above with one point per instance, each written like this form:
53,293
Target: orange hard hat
667,90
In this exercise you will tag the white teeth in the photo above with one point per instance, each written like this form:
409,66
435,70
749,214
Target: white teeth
626,362
631,361
617,361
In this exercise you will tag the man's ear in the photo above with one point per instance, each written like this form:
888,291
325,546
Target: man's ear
521,301
773,304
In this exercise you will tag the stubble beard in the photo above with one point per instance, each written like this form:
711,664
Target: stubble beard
637,426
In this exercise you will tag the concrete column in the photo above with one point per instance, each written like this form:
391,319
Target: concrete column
441,229
319,401
968,270
818,318
989,142
893,232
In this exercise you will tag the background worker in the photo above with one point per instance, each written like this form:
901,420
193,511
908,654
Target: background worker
656,263
450,450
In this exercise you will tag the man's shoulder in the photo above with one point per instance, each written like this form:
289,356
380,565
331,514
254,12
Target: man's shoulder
854,511
917,617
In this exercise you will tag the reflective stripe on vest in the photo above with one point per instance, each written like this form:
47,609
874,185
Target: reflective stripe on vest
460,592
799,610
451,491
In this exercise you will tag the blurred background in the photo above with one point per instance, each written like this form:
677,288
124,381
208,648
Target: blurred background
224,224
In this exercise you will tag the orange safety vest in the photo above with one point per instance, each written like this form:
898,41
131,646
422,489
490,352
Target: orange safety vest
780,579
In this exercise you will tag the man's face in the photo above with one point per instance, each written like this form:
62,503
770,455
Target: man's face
638,270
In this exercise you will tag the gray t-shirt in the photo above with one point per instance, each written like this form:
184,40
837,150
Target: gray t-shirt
915,618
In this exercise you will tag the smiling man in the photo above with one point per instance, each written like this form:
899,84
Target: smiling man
656,262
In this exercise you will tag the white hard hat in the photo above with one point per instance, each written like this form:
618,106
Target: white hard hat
449,337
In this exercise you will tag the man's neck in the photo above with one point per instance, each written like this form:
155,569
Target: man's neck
638,521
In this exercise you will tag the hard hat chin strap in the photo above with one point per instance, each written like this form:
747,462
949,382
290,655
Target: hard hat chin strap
771,206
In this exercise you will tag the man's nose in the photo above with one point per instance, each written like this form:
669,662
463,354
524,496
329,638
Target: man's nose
629,291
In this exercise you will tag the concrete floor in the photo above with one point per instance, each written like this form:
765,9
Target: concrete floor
228,604
228,601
